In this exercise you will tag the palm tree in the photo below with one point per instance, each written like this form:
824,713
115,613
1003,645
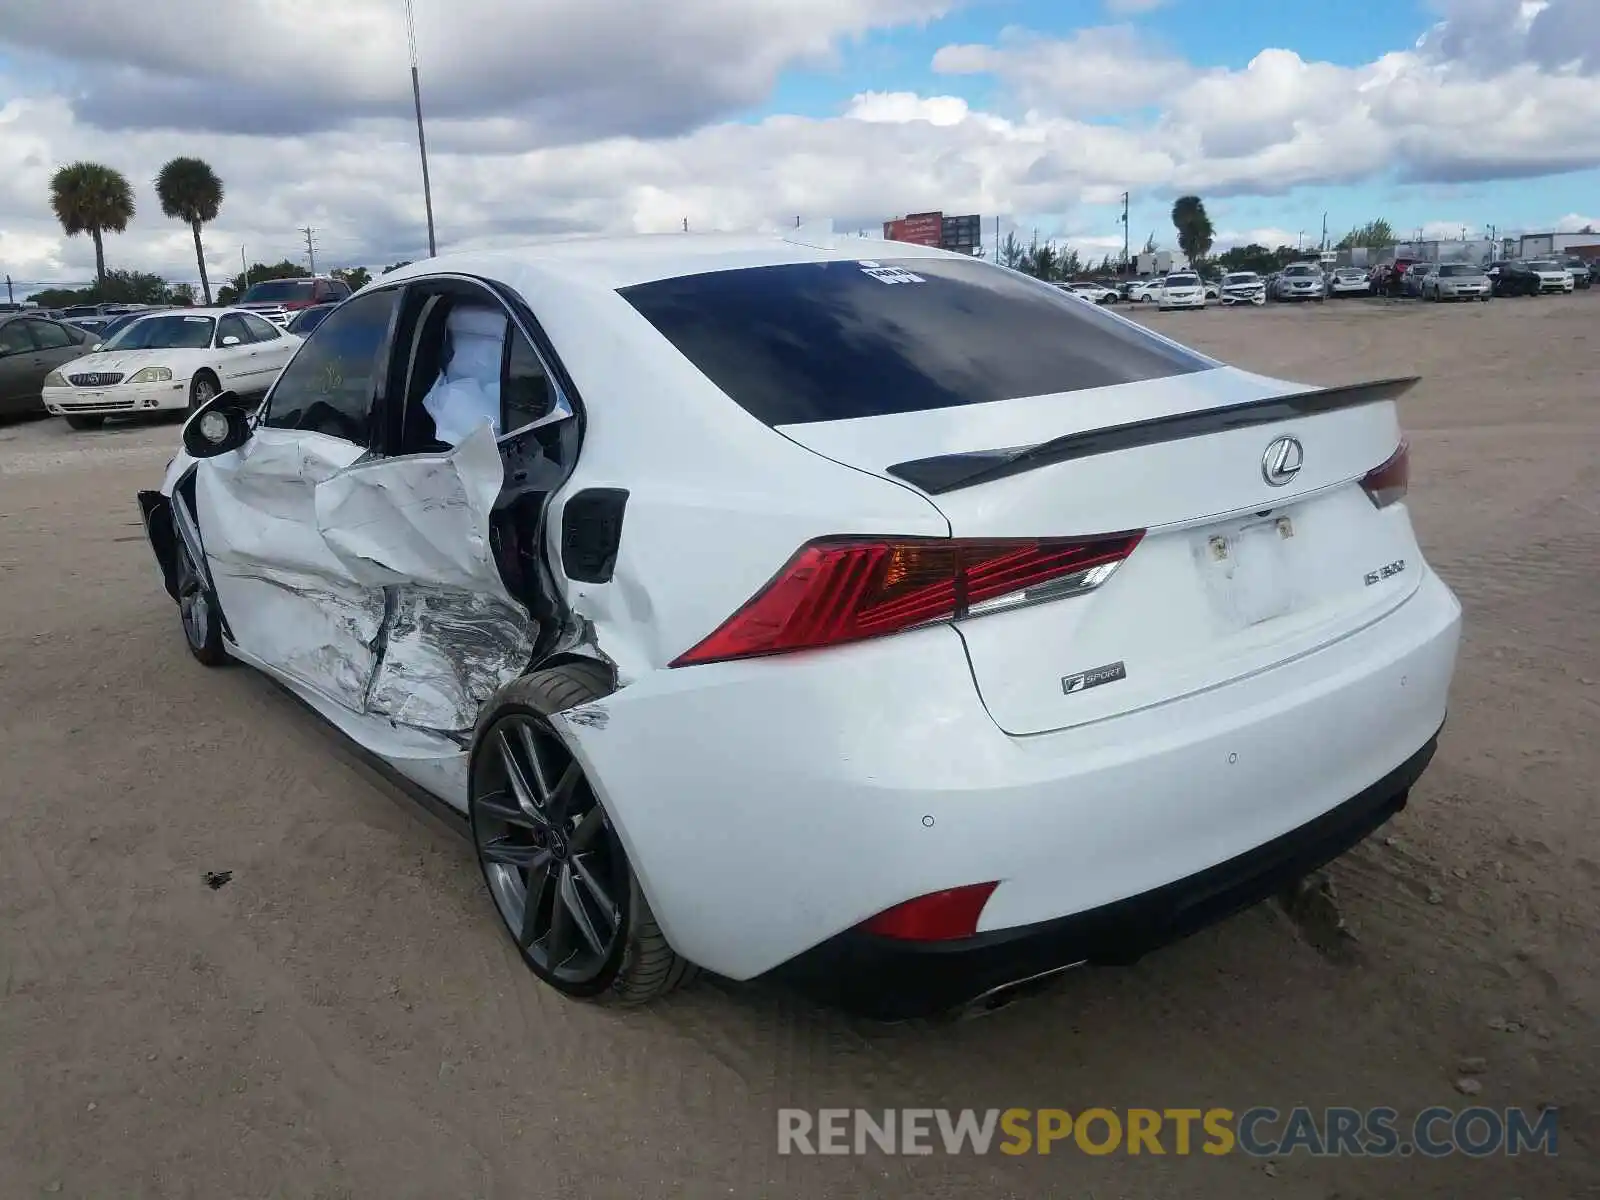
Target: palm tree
92,198
191,192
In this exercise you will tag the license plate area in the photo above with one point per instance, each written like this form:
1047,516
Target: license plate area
1249,569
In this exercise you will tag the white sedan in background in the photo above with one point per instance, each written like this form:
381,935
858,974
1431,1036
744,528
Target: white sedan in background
1182,289
173,360
1095,293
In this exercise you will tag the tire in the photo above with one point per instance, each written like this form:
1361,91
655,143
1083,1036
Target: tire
609,949
86,421
198,610
202,388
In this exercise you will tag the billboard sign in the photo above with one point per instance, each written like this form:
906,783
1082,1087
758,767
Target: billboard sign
922,229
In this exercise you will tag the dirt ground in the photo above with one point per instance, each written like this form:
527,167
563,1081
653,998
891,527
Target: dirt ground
345,1019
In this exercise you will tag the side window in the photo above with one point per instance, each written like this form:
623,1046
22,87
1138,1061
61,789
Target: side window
260,331
334,290
232,326
328,386
14,338
47,336
526,395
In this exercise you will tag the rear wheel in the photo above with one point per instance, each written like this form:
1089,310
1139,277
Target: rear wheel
86,421
554,865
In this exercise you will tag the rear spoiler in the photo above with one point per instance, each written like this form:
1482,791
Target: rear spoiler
949,472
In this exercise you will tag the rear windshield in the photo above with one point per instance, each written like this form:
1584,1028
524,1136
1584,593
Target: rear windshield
279,290
1460,269
829,341
1301,270
1182,280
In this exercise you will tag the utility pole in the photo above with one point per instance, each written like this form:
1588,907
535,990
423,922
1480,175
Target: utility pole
244,269
10,299
997,241
422,139
1324,245
311,247
686,224
1124,232
797,222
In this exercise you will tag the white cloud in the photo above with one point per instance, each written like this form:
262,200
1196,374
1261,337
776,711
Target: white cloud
1095,71
1573,223
1133,8
324,89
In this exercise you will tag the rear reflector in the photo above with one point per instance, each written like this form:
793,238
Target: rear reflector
1388,483
936,917
845,589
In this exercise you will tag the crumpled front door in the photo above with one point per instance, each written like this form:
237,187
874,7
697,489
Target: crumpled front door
372,582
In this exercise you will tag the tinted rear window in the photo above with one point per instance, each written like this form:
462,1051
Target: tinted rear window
829,341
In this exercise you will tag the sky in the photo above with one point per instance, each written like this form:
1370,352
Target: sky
604,116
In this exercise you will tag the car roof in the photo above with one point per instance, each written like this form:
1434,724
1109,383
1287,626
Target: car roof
613,262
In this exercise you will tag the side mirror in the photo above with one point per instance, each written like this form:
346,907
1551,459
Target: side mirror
230,340
218,426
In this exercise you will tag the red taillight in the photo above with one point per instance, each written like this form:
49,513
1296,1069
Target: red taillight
1388,483
844,589
936,917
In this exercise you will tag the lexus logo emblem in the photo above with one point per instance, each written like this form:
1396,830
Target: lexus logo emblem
1282,461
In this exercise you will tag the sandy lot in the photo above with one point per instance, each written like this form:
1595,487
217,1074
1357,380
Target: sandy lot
344,1019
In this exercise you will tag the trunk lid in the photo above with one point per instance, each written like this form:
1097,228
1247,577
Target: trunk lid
1234,574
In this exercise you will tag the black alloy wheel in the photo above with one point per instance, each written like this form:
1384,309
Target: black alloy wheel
553,862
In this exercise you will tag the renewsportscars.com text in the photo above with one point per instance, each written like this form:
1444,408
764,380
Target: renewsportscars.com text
1259,1132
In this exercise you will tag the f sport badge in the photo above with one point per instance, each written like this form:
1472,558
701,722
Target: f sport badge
1084,680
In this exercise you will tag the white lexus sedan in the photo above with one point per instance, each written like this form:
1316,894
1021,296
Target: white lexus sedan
1182,289
895,626
173,359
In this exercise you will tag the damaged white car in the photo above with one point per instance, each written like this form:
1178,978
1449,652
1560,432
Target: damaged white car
898,627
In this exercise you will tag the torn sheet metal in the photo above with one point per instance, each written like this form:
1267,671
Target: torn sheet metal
420,519
445,652
373,583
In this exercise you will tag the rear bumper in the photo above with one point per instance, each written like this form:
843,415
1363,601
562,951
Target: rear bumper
771,805
891,979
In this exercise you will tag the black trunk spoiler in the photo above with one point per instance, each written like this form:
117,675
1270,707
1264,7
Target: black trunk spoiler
949,472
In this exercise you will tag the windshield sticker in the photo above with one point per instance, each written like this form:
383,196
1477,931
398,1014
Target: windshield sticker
197,320
885,274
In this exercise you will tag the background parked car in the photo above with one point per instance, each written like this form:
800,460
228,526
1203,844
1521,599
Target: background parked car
1300,281
1553,275
1348,281
1456,281
1213,289
1097,293
1582,273
1393,280
1411,282
1513,278
171,361
1146,291
30,348
279,299
1181,289
307,319
1243,287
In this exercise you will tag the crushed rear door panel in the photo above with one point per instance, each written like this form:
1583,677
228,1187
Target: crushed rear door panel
417,529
